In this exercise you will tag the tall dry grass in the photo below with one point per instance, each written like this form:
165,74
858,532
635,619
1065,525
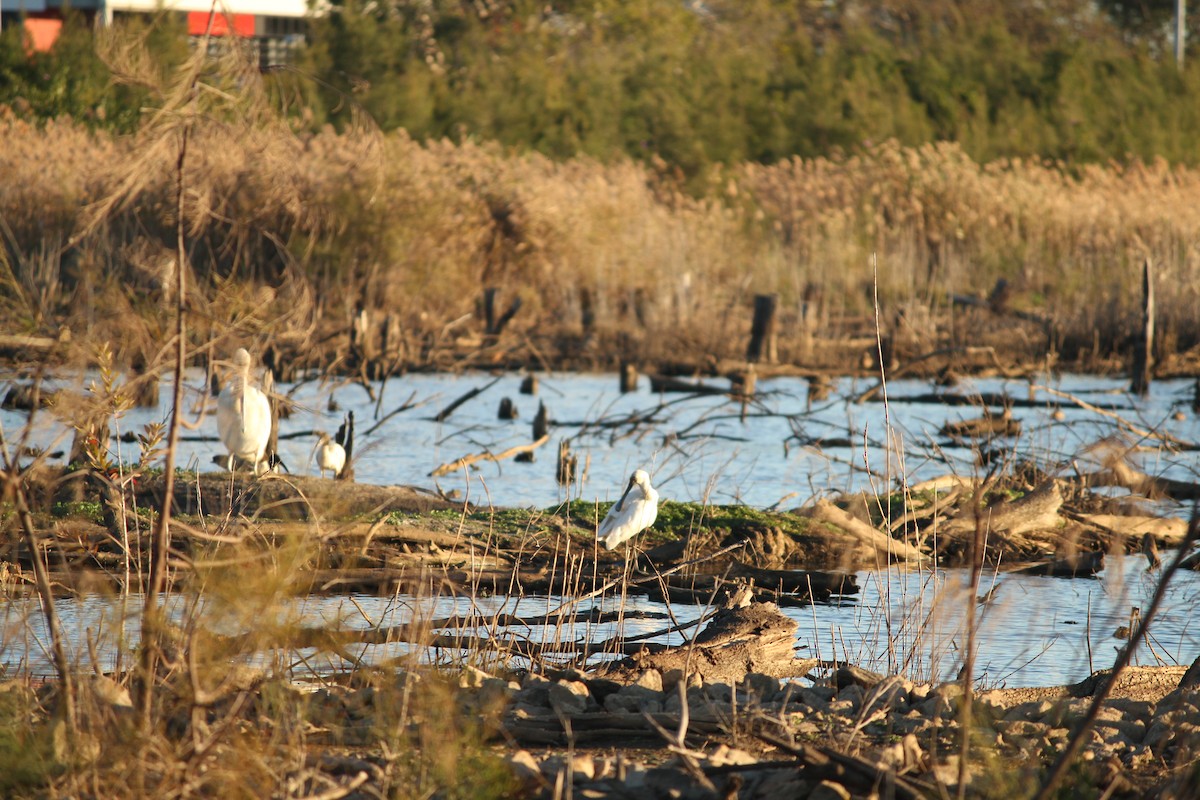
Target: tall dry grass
289,233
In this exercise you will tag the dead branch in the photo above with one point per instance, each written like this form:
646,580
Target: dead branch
466,461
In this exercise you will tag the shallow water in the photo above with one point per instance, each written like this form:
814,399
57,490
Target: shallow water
698,448
1040,631
1037,632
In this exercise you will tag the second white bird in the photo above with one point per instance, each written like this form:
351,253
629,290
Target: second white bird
330,456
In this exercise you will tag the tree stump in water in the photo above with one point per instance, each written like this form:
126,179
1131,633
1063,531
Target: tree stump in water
1143,354
763,342
629,377
541,423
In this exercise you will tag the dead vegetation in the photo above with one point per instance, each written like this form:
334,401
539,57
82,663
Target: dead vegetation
373,254
366,254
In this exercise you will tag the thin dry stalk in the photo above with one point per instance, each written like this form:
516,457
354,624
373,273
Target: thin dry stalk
45,593
1123,658
160,542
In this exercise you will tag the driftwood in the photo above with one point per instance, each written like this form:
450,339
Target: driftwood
667,383
985,427
1167,530
765,585
1119,473
756,638
21,345
763,345
1078,565
1035,511
445,413
876,544
1122,423
818,585
466,461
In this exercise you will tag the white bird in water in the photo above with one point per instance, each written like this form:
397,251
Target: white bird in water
633,513
330,456
243,415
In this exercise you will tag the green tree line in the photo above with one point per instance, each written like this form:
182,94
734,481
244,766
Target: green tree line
698,82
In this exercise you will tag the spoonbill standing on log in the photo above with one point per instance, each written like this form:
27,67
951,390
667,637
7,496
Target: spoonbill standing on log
243,415
633,513
330,456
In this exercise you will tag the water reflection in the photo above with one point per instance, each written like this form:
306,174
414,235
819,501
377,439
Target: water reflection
1038,631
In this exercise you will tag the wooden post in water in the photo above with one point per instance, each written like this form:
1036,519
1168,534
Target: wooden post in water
629,377
508,409
742,384
1143,355
529,385
541,423
763,343
567,463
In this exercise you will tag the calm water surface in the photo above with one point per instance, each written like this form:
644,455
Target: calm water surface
696,448
1039,631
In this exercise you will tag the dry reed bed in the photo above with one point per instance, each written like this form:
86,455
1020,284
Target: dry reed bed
316,224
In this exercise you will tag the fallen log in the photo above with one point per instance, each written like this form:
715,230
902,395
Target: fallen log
1169,531
819,585
445,413
874,545
1073,566
1035,511
755,638
665,383
986,427
1119,473
466,461
790,587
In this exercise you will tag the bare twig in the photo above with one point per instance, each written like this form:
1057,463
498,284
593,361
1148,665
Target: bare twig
1084,728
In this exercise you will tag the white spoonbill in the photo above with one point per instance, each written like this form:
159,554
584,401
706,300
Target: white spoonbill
243,415
330,456
632,514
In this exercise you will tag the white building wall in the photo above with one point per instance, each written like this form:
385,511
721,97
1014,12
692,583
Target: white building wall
267,8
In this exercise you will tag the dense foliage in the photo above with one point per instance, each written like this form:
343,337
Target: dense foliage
701,82
759,80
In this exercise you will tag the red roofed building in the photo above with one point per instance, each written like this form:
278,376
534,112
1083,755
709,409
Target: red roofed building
276,27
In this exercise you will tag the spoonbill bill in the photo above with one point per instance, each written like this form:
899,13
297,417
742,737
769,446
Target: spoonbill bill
330,456
632,514
243,415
